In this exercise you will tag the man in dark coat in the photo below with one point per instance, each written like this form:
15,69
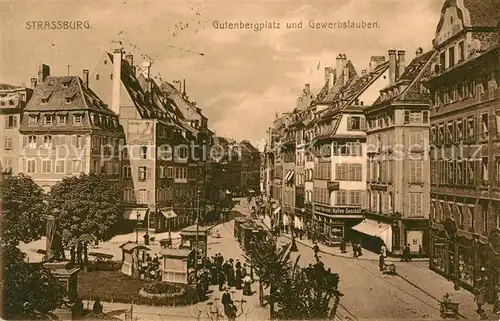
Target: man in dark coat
222,280
230,276
238,278
226,297
213,274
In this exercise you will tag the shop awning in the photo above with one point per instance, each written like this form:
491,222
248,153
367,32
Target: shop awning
169,213
134,214
277,210
376,229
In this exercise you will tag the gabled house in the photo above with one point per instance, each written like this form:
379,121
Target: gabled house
338,143
398,173
66,129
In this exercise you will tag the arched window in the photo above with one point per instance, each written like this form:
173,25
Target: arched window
97,77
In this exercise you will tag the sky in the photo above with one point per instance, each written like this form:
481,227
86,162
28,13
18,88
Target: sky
240,78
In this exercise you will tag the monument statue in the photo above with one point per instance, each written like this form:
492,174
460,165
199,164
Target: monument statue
54,248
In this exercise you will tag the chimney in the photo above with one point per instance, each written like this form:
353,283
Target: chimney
341,62
130,59
346,74
117,75
392,66
184,86
146,68
307,89
419,52
86,77
401,63
375,61
33,83
43,73
363,72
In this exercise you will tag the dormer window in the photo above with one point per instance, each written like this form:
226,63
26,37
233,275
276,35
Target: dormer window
68,100
66,83
48,119
33,120
45,98
78,119
95,118
61,119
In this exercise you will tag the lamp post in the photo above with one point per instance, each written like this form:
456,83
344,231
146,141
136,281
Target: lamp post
137,228
197,228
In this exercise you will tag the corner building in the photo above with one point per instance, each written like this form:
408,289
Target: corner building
465,131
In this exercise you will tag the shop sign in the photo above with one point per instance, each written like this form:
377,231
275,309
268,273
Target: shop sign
337,210
332,186
381,188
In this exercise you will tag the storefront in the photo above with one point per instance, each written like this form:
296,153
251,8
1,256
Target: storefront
332,223
375,234
452,253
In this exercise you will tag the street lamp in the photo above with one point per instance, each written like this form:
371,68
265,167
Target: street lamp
137,228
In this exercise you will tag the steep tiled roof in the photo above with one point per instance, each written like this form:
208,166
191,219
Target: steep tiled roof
64,94
483,13
249,146
8,87
354,88
419,67
328,96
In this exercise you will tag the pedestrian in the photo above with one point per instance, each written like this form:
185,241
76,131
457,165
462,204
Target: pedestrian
222,280
354,249
230,311
381,263
97,308
316,249
408,253
199,290
226,297
420,250
479,299
359,249
238,277
383,250
247,285
343,246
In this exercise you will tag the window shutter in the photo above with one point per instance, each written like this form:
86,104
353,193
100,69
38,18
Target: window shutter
362,124
39,141
349,124
412,205
418,207
419,171
25,141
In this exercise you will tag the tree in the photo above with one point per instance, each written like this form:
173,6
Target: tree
88,209
29,290
23,209
298,293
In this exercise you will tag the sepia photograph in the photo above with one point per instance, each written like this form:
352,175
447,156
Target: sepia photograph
213,160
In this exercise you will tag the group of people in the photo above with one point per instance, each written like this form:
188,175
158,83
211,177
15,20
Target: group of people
230,272
149,267
356,249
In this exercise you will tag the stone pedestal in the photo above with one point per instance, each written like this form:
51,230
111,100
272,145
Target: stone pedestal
66,274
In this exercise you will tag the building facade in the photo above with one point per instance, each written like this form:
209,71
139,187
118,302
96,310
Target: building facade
66,129
398,179
465,200
13,100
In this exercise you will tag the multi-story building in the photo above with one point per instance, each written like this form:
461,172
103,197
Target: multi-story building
226,167
465,126
155,154
398,179
250,167
339,145
13,99
66,129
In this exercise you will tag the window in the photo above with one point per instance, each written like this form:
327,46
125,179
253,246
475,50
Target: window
144,173
170,172
111,76
451,57
461,51
165,152
485,219
425,114
484,126
61,119
33,120
472,88
355,198
161,172
341,198
127,172
31,166
484,171
355,123
46,167
416,171
459,131
47,119
144,152
11,121
407,116
470,129
415,209
8,143
128,195
47,141
76,166
143,196
97,77
78,119
60,166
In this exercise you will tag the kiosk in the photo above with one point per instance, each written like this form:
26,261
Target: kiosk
188,239
132,254
177,264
